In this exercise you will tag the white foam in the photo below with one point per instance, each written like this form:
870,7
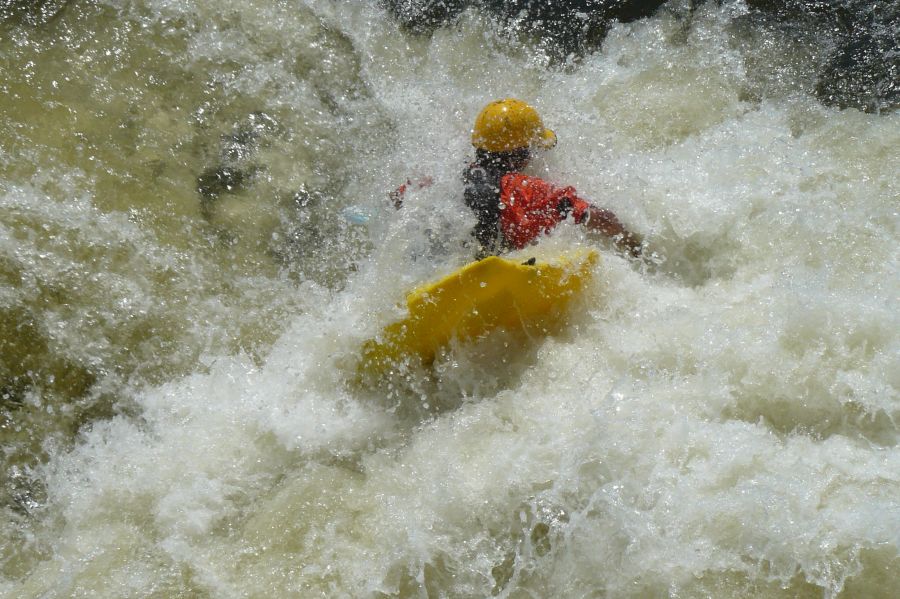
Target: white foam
722,423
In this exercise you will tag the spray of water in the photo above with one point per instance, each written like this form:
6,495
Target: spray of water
195,239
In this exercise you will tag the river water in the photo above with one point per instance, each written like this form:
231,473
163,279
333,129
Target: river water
195,240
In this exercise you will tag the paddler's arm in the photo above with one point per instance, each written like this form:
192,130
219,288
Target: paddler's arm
605,222
396,196
599,220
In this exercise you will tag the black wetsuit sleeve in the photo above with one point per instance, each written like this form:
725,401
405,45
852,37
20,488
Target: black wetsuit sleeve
482,196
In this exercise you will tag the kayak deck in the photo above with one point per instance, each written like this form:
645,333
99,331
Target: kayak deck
482,296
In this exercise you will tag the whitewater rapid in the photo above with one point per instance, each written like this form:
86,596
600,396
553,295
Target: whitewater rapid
180,417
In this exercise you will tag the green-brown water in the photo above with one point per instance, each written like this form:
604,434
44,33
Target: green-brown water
182,296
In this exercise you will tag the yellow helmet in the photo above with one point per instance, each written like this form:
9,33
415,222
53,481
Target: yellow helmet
507,125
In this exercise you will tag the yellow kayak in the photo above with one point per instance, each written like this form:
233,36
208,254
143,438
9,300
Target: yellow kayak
482,296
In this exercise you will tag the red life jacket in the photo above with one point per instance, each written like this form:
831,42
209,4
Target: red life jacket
529,207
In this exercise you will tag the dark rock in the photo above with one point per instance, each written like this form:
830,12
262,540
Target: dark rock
863,70
243,142
235,171
220,179
567,28
863,74
794,9
423,16
562,28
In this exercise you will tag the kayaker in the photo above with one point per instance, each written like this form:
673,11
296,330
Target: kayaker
513,208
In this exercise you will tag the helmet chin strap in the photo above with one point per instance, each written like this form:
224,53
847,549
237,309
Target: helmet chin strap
504,161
